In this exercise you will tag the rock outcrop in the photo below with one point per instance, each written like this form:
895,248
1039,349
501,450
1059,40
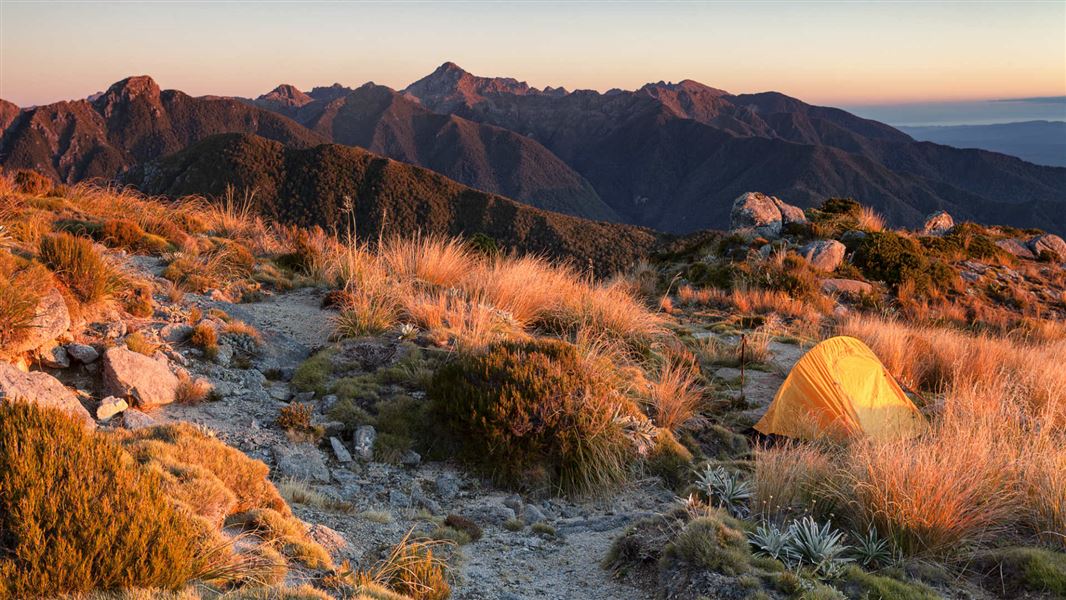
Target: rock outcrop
1016,248
1050,244
51,321
763,215
41,389
825,255
846,287
142,380
938,223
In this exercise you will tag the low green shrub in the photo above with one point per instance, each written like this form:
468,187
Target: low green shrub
1017,570
892,258
716,542
534,412
78,514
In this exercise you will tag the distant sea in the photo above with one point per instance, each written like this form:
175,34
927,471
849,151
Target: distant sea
965,113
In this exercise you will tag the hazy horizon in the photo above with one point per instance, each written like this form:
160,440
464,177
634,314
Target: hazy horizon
863,54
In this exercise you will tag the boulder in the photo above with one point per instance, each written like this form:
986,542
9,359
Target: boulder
340,451
364,441
1017,248
938,223
790,215
134,419
41,389
176,333
145,381
1050,243
756,212
55,357
329,539
110,407
846,287
302,462
82,353
825,255
51,321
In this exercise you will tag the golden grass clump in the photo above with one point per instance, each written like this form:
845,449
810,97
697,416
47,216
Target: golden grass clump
22,285
78,265
77,514
410,569
138,342
205,337
427,259
191,390
676,395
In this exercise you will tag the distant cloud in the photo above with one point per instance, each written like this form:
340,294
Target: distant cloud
1037,100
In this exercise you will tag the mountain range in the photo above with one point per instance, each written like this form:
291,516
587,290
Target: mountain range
667,156
336,186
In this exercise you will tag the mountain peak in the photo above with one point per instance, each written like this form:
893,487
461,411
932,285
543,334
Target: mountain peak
133,87
685,85
287,95
449,67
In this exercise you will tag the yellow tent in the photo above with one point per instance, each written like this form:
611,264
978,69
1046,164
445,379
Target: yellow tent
840,389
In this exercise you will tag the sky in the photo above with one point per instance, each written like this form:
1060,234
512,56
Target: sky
838,53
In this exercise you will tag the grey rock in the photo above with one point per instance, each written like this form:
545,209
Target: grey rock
340,451
938,223
789,214
136,377
110,407
280,392
51,320
447,486
303,396
399,499
224,357
134,419
332,428
302,462
1017,248
495,514
756,212
1048,242
514,502
327,402
55,358
83,353
411,458
825,255
176,333
533,514
364,441
846,287
329,539
41,389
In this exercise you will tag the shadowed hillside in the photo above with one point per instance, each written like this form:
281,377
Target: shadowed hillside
312,186
488,158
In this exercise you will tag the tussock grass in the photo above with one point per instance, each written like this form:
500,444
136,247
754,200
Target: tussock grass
988,469
412,568
78,265
22,285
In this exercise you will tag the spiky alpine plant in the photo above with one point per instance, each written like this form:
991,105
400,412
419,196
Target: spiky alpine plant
871,550
725,489
773,542
820,546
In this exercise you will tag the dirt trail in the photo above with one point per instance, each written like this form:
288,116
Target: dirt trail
502,565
